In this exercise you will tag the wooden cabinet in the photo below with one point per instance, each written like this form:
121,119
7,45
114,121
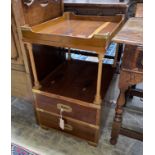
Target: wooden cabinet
70,97
22,14
20,77
16,55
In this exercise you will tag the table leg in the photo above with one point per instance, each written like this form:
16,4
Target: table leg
98,99
36,81
118,117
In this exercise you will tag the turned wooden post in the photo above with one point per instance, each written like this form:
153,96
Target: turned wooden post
98,99
118,117
36,81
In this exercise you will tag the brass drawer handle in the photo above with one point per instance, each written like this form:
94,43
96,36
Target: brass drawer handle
68,127
64,107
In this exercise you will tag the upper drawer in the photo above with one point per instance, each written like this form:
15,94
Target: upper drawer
75,111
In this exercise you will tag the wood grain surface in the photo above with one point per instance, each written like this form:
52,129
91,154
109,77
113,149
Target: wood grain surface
139,10
131,33
76,26
73,31
78,129
65,81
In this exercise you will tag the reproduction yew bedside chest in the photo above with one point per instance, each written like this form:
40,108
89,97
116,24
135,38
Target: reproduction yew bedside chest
69,99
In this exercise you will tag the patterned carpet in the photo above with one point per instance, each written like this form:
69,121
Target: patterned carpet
26,133
18,150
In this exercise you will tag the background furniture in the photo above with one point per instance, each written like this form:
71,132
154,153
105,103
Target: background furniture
133,90
131,72
100,7
20,77
22,14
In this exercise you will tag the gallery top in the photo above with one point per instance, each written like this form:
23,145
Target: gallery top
75,31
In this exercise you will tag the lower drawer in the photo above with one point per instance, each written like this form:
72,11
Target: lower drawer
83,131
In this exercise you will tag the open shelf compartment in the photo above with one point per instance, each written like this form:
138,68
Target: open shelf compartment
77,80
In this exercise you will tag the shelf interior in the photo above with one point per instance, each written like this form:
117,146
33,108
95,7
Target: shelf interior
77,79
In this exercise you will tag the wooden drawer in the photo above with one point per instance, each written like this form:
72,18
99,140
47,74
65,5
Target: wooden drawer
80,130
73,110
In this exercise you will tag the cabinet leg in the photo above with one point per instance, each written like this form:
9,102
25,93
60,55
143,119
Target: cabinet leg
98,99
118,118
36,81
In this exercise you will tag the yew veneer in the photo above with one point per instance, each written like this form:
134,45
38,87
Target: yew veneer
77,87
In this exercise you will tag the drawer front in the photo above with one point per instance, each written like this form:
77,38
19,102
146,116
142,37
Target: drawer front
80,130
75,111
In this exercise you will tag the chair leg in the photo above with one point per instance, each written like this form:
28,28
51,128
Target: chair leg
118,118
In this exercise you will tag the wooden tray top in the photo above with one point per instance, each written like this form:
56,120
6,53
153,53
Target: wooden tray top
74,31
131,33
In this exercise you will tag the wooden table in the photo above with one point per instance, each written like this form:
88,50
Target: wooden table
75,86
131,71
